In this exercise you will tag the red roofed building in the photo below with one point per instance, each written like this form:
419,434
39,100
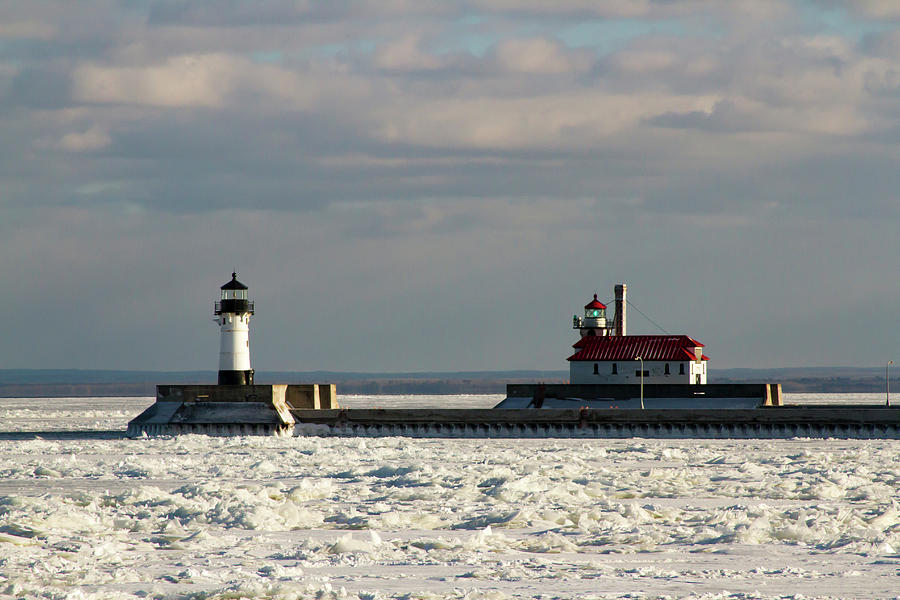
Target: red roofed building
614,359
605,356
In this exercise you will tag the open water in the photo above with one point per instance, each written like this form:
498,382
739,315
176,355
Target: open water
85,513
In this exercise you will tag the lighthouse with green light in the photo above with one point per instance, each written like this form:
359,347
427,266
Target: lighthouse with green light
593,323
232,313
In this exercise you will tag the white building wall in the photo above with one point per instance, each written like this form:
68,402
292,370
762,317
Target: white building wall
582,371
698,372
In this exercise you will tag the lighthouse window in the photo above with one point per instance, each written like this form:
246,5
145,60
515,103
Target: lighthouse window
615,369
667,369
596,369
681,369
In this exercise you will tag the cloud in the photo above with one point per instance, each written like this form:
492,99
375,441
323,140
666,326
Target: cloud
884,44
39,88
643,62
78,141
538,55
185,81
552,121
724,117
438,158
582,8
235,14
876,9
27,30
406,54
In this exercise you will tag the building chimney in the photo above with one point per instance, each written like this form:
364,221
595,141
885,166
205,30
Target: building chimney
619,320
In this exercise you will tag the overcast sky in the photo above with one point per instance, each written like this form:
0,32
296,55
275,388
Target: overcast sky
411,185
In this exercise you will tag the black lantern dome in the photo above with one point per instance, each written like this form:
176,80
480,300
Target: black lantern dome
234,298
234,284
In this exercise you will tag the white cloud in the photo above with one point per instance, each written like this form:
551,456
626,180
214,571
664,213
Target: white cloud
406,54
200,80
92,139
601,8
220,81
552,121
538,55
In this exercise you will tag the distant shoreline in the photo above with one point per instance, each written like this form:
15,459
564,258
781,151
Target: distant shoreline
50,383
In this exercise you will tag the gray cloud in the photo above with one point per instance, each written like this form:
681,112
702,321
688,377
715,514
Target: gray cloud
39,88
724,117
885,44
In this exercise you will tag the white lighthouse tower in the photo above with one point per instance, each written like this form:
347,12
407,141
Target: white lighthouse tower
233,316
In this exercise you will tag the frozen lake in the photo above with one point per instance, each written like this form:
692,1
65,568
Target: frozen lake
85,513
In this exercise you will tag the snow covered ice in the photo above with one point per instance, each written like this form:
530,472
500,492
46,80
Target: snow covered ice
88,514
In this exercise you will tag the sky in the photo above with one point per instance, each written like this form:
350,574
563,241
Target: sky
418,185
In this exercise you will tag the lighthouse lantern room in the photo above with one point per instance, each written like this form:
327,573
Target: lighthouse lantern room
594,321
232,313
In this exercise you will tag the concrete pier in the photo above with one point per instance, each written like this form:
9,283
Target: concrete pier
312,409
859,422
230,409
311,395
624,396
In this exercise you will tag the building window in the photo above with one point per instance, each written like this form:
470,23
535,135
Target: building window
681,369
596,369
667,369
615,369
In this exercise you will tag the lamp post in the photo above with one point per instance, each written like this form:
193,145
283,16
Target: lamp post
887,383
642,381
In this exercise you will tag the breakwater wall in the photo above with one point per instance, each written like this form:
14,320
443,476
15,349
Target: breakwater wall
734,395
860,422
312,409
230,409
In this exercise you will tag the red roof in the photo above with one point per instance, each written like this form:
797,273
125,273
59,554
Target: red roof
629,347
594,304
